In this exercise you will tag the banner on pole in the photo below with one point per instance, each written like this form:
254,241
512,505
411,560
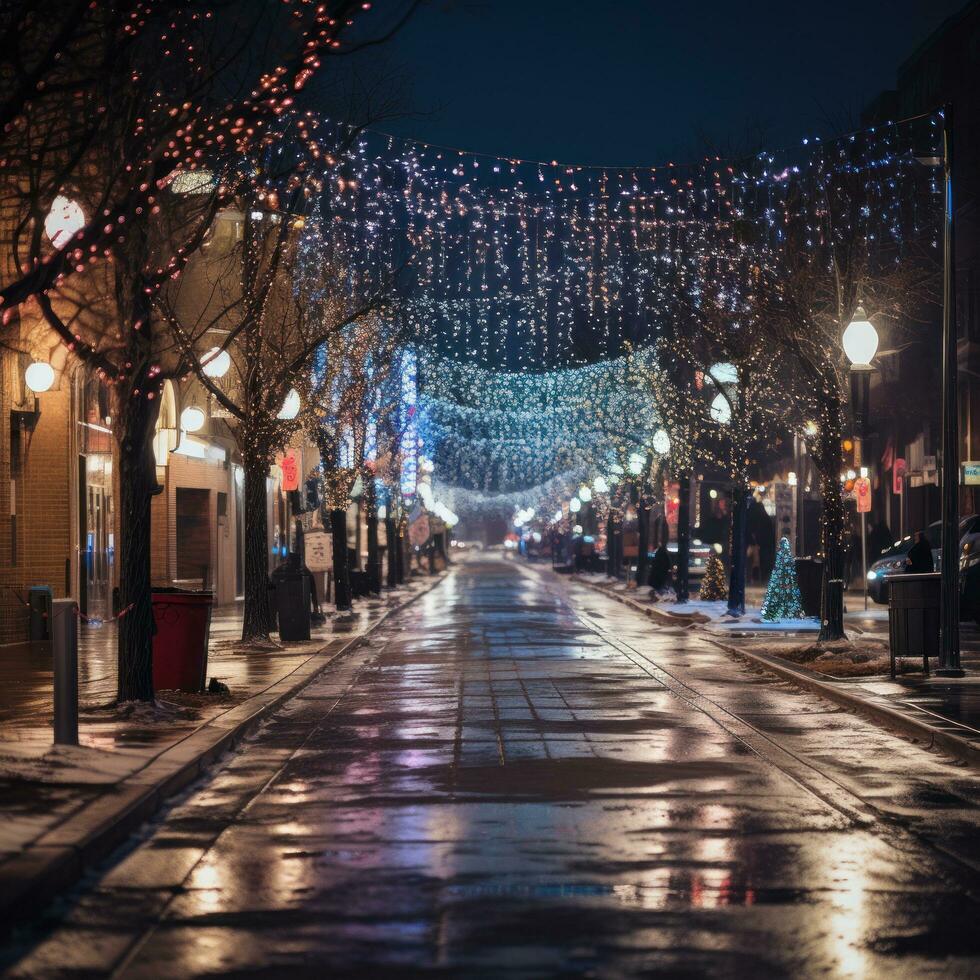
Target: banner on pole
862,493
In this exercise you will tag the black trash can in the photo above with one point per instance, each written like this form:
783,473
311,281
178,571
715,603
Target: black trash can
292,584
913,616
809,574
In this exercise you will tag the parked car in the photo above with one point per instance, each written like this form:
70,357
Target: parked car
892,562
970,572
697,559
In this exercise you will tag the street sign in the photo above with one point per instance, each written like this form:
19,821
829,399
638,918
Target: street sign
971,473
898,474
289,465
318,552
862,493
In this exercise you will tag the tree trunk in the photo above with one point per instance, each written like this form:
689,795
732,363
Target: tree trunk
404,557
137,485
736,578
371,521
643,527
829,462
683,587
341,565
391,534
257,617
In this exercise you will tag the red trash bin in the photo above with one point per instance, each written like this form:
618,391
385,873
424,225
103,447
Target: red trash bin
180,644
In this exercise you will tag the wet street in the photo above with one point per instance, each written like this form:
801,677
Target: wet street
518,777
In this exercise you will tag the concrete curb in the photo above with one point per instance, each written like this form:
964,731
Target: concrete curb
953,745
31,879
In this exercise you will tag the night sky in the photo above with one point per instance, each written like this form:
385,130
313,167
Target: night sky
619,82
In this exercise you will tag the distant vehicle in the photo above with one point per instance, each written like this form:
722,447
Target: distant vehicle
970,572
892,562
697,559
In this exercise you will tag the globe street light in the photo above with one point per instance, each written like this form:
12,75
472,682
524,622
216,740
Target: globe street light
39,377
860,342
290,406
661,442
216,363
192,418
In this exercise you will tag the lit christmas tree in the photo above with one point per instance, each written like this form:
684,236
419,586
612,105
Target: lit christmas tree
713,585
783,595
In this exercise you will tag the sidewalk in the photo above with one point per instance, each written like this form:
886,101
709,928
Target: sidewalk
63,809
941,711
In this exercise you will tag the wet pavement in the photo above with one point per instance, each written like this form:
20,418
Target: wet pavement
520,777
42,786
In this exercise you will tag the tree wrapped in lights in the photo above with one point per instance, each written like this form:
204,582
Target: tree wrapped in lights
834,258
125,127
713,585
111,102
346,408
278,298
783,599
742,397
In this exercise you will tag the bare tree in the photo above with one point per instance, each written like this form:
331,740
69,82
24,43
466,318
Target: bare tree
347,407
276,299
143,122
831,263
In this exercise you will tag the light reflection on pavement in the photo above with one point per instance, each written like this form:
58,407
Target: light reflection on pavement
496,785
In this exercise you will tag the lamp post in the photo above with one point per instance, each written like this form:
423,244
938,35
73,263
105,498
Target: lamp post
860,342
949,628
949,649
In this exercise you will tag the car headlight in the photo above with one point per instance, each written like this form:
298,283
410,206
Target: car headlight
872,575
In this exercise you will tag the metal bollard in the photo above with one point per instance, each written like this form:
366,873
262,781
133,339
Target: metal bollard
64,650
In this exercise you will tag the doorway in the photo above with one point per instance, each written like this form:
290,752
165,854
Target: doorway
193,537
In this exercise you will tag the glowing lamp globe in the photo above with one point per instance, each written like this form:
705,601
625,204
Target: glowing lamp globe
39,377
192,418
584,494
577,529
636,464
65,219
557,517
661,442
860,341
724,373
290,406
720,411
599,484
575,505
216,362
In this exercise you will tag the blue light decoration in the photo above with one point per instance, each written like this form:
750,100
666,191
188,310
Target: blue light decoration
517,275
408,424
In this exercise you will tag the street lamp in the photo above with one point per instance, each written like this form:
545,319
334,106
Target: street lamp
39,377
860,342
949,619
216,363
661,443
192,418
290,406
